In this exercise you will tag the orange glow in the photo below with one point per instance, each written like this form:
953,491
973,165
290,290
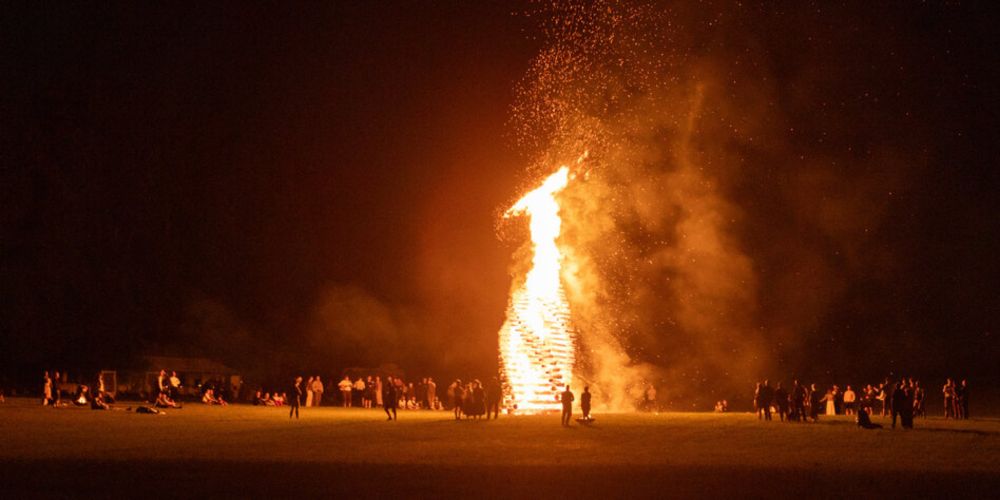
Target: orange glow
537,343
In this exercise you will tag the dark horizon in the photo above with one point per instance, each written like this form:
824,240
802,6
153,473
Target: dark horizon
320,189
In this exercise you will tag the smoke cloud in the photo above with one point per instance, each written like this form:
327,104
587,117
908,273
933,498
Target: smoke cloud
714,222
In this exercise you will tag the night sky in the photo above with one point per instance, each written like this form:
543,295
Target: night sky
319,187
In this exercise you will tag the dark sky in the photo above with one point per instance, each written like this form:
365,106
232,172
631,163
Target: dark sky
157,156
188,179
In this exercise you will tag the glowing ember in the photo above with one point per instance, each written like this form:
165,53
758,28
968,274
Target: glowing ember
537,344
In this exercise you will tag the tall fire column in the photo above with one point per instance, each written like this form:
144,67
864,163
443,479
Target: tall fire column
537,341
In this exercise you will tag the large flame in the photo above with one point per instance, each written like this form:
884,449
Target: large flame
537,348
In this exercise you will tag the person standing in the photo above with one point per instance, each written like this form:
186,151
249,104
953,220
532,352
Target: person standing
849,398
161,382
814,402
47,390
493,396
766,398
757,408
650,398
294,398
56,389
378,390
317,391
585,402
175,386
959,401
918,400
309,392
781,401
421,394
457,398
906,412
898,402
831,405
369,392
948,391
345,391
478,400
450,392
798,402
359,392
883,397
432,394
567,406
965,399
390,399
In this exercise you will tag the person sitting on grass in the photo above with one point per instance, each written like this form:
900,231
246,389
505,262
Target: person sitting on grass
98,403
164,401
209,397
864,421
82,395
279,399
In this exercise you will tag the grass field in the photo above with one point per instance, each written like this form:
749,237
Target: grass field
243,451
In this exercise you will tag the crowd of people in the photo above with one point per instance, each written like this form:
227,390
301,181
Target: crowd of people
904,399
95,396
472,399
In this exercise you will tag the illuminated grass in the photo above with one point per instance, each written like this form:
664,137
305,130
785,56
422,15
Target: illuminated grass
334,435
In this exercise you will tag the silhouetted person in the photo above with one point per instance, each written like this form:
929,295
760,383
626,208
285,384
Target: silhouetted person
814,402
899,402
864,421
585,402
57,389
959,401
798,401
766,398
478,400
965,398
907,411
781,400
494,394
295,397
390,399
458,396
567,403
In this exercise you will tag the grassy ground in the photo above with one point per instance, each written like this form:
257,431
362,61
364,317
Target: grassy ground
242,451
